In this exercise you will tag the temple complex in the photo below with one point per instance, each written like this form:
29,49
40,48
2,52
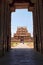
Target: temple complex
22,35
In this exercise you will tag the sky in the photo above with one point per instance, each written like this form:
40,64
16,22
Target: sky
21,17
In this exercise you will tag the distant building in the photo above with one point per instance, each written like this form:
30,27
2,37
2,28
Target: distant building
22,35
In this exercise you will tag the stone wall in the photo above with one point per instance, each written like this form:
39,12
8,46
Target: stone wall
5,31
38,25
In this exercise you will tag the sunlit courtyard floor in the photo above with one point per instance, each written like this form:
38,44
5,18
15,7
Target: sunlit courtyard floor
23,45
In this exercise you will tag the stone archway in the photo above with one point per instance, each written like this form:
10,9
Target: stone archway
7,6
34,7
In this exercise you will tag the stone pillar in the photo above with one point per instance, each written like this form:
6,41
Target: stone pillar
34,26
38,32
1,34
5,25
41,22
2,22
38,25
2,26
8,28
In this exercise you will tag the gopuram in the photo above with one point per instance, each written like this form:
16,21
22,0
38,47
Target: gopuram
22,35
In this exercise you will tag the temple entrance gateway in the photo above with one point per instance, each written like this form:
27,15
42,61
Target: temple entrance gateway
22,39
8,6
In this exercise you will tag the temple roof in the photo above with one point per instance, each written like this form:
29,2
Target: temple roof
22,31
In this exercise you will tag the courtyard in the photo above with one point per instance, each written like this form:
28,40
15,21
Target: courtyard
22,45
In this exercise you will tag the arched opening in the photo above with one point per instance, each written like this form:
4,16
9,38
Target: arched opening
36,24
21,6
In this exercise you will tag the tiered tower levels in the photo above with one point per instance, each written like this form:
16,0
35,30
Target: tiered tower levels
22,35
22,31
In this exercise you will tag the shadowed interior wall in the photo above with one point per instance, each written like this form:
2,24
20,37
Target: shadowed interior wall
5,30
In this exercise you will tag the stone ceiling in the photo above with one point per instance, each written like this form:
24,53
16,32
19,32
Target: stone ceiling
10,1
17,4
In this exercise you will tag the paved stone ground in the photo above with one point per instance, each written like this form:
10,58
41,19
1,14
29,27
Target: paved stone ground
22,56
21,45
